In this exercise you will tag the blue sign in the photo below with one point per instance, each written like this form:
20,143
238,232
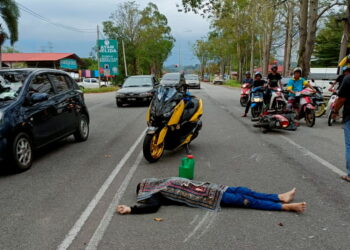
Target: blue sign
68,64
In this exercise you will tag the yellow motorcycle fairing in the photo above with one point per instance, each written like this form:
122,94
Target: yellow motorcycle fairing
199,112
162,135
177,114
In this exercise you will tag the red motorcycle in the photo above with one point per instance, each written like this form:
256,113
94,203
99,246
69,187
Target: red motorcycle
304,107
245,93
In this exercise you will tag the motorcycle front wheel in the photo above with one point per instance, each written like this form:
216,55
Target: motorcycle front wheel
310,117
256,111
320,110
151,151
243,101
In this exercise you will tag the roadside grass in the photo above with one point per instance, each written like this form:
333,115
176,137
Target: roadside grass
99,90
232,83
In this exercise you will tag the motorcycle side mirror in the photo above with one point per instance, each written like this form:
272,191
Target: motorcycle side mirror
313,80
330,82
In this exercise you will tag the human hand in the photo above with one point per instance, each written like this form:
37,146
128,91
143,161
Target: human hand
123,209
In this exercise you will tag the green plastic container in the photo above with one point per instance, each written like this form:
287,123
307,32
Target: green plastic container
186,169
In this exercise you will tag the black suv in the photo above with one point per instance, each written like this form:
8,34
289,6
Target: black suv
37,107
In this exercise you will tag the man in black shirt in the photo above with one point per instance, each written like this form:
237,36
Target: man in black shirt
274,81
344,100
339,80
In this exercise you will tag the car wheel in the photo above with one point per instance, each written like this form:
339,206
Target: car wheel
22,152
83,129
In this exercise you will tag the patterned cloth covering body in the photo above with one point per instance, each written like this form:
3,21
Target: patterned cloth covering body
193,193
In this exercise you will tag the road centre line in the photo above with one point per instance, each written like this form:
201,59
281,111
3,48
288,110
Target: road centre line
107,218
200,224
325,163
69,238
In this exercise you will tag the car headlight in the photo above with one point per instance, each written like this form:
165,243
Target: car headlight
146,94
120,94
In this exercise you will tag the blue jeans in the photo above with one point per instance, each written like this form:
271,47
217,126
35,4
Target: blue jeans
347,145
244,197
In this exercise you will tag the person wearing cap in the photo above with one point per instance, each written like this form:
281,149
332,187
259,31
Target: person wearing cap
258,82
296,84
344,100
152,193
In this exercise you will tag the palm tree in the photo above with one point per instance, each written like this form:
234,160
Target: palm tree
9,13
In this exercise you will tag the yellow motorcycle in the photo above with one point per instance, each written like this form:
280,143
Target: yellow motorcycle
173,118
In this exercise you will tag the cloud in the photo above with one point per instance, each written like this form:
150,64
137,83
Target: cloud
86,14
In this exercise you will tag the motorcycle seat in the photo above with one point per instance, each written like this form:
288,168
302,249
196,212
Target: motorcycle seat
190,108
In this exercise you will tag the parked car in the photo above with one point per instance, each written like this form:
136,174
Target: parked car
37,107
136,89
90,83
192,81
218,80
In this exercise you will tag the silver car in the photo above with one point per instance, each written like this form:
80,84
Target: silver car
192,81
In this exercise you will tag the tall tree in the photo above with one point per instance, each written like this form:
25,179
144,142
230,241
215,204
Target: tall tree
9,13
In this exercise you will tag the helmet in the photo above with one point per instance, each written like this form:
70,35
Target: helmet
345,68
258,74
274,67
297,70
247,73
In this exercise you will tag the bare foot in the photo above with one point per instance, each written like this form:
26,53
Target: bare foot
287,197
295,207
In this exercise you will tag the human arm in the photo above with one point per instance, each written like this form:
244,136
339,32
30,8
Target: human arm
149,206
342,98
290,87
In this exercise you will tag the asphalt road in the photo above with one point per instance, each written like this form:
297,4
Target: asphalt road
67,199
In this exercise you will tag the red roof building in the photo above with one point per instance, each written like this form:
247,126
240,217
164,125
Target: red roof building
39,60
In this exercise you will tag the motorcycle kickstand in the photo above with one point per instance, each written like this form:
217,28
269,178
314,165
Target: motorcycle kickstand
187,148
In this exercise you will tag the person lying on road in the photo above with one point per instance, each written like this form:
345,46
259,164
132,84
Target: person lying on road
152,193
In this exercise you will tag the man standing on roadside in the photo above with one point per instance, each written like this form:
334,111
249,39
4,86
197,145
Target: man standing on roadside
344,100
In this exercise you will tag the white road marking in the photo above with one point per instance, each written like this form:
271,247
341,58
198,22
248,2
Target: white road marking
325,163
200,224
72,234
106,220
210,223
194,219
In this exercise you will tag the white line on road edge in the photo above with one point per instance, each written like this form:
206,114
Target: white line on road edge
315,157
89,209
106,220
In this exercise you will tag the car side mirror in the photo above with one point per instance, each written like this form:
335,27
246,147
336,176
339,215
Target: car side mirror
38,97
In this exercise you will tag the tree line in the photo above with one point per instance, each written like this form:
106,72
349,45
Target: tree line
249,33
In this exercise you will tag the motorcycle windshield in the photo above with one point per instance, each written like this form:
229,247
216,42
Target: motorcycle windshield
165,93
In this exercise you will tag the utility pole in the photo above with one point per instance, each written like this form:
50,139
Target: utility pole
126,69
98,56
346,31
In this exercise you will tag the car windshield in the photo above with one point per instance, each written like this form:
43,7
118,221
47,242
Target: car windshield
191,77
170,80
138,82
11,83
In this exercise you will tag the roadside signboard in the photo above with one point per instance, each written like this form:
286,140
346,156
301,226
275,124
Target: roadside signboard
108,53
68,64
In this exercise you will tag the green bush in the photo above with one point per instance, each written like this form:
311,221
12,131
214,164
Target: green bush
232,83
100,90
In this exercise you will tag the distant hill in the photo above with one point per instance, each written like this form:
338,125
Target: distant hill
187,69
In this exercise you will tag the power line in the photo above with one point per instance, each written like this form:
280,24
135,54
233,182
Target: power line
35,14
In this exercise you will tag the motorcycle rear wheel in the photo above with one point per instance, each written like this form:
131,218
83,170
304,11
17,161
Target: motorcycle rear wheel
320,110
151,151
310,117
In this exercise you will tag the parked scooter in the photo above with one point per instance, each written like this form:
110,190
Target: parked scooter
257,101
278,103
320,105
305,108
330,107
245,92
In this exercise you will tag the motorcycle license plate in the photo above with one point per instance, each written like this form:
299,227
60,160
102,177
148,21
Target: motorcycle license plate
131,99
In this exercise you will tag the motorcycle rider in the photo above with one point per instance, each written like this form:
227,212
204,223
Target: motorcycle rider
274,81
248,79
296,84
258,82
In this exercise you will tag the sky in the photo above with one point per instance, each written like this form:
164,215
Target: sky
36,35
